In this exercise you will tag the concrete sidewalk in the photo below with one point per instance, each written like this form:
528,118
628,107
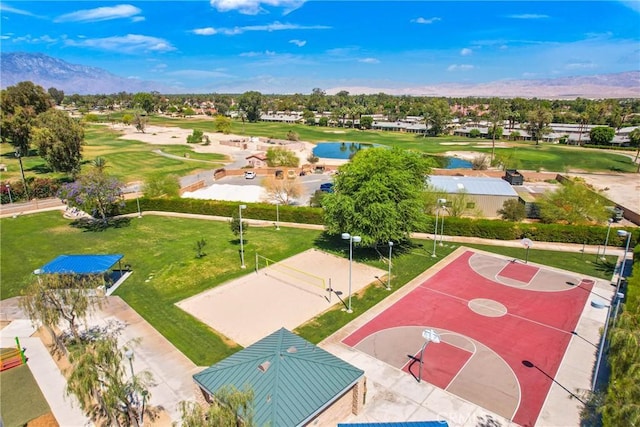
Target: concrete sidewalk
52,383
172,371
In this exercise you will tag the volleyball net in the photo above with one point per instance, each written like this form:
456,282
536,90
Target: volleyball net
293,276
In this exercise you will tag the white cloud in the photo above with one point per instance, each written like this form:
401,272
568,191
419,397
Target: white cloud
9,9
427,21
198,74
253,7
275,26
528,16
580,65
298,43
131,43
102,14
466,51
369,60
34,40
208,31
460,67
632,4
256,54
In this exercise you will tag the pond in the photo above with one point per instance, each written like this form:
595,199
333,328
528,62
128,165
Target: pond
340,150
443,162
345,150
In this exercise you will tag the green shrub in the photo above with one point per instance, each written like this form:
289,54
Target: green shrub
466,227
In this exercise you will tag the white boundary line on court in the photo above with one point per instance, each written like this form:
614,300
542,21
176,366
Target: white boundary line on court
473,353
539,266
524,285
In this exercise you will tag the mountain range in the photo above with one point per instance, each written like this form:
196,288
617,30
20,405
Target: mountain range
47,72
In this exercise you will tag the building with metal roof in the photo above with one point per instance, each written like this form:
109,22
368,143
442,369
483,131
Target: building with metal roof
485,196
294,382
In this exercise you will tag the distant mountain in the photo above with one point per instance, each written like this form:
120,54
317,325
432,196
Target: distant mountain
47,72
618,85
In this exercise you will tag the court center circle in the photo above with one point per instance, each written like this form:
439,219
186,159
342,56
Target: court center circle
487,307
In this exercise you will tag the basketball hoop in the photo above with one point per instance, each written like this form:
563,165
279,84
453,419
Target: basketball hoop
527,243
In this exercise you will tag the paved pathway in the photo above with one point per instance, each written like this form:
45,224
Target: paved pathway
53,385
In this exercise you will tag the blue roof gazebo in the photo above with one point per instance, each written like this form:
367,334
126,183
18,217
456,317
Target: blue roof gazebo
80,264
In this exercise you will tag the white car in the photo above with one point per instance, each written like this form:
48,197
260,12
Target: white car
249,174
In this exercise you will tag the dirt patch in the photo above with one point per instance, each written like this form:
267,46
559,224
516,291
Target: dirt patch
4,323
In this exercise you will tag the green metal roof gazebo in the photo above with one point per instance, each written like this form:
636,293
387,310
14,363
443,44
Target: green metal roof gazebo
293,380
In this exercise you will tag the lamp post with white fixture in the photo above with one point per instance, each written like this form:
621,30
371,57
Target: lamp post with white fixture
351,239
440,202
606,240
240,208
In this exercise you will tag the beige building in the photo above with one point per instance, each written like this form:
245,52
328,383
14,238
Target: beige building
486,196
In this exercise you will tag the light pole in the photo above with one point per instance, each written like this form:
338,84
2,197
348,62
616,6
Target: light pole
389,275
138,203
240,208
277,215
429,335
435,229
606,240
357,239
600,305
442,225
129,355
623,233
9,190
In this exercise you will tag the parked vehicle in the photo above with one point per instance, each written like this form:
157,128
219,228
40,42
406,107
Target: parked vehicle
327,187
249,174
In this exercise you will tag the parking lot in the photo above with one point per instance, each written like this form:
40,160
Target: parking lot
239,188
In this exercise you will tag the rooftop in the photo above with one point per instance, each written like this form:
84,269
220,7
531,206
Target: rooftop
472,185
292,379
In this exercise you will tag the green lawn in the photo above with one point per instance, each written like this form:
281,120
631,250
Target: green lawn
162,255
523,155
132,160
20,397
128,160
161,248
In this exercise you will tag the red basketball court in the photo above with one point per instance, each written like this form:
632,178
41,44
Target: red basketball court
492,314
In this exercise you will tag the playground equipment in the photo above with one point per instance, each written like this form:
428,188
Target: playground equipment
12,357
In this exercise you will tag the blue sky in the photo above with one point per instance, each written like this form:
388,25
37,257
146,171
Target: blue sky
288,46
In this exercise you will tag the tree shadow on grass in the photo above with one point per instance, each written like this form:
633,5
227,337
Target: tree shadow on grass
608,268
335,244
91,224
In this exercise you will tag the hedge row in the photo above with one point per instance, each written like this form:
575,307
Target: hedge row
467,227
261,211
39,188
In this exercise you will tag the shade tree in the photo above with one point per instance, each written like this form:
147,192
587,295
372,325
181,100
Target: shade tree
54,298
59,139
378,196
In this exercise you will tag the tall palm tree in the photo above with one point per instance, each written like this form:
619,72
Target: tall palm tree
634,139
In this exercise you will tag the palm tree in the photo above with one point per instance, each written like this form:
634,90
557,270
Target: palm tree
634,139
497,113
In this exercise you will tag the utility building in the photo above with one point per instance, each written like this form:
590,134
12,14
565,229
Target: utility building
485,195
